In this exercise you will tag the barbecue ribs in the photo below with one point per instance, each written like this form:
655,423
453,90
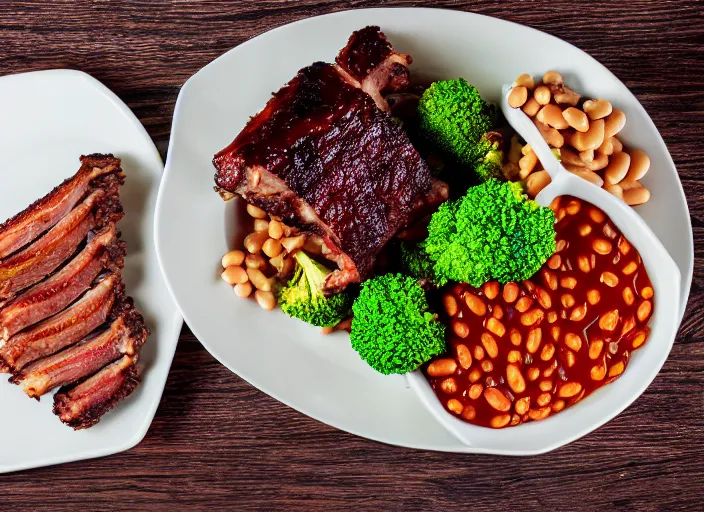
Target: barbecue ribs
325,157
64,317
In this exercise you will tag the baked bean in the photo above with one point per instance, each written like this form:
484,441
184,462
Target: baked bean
548,352
591,139
524,80
595,348
276,229
442,367
523,304
616,369
643,311
266,300
259,280
475,375
489,344
597,109
491,290
542,94
630,268
449,385
636,195
496,327
475,304
578,313
455,405
464,356
243,290
628,296
510,292
517,96
536,182
235,257
549,278
646,292
609,279
566,96
531,107
617,169
539,414
609,320
568,282
614,190
593,297
254,261
532,317
475,391
552,115
488,367
469,412
598,372
272,247
553,137
234,275
515,337
256,212
478,353
461,329
533,340
573,341
261,225
576,119
553,78
555,329
500,421
293,243
497,399
514,356
614,123
570,389
639,339
601,246
254,241
450,304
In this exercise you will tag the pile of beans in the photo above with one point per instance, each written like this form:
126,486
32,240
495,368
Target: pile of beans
265,258
524,351
585,133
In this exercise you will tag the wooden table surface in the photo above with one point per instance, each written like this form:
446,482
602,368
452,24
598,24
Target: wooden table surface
218,443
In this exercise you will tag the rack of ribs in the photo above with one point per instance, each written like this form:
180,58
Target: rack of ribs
64,317
326,157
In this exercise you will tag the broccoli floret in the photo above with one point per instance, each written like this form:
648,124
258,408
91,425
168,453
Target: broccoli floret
416,263
493,232
303,297
393,329
457,120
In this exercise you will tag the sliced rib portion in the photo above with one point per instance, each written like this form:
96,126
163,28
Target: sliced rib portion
43,256
66,328
322,157
27,225
124,336
370,63
103,251
81,406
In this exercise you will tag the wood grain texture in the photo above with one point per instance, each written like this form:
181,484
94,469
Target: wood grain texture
219,444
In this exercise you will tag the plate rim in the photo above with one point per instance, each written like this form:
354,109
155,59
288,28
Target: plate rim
177,321
687,274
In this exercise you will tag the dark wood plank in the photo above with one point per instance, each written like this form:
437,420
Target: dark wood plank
219,444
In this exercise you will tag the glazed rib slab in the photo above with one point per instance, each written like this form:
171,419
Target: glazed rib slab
325,157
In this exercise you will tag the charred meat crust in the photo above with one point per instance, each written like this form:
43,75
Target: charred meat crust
104,250
29,266
125,335
82,405
65,328
325,159
44,213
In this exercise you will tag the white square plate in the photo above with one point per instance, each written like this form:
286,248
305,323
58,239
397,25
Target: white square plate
47,120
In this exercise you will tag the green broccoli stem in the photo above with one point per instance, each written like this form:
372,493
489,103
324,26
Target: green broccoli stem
314,272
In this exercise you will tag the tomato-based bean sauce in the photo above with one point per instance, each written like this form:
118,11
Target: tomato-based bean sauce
522,351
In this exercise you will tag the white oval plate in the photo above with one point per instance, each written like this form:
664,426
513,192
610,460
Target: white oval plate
318,375
49,119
